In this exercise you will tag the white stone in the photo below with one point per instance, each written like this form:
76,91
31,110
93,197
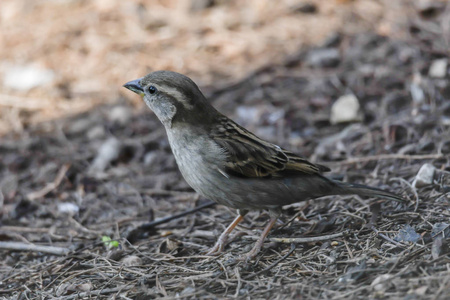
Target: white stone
96,132
417,93
382,282
438,68
68,208
120,115
424,176
107,152
325,57
345,109
26,77
132,260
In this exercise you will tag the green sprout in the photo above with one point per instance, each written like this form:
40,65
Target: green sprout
109,242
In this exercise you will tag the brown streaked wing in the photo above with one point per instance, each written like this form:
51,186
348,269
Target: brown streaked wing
297,163
250,156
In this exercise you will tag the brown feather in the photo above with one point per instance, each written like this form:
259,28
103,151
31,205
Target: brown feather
250,156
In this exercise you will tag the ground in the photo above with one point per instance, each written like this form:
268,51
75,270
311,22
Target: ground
83,162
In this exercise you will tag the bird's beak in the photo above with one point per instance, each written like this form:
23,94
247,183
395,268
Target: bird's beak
135,86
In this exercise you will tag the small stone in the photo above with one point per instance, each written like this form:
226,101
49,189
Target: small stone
417,93
84,287
169,245
132,260
323,58
345,109
381,283
120,115
155,159
8,186
438,68
27,77
188,290
437,247
68,208
62,289
150,158
422,291
107,152
425,176
96,133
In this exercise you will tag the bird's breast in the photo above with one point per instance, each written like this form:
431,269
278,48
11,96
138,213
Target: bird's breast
199,160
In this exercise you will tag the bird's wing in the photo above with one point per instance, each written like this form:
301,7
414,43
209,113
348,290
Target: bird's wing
249,156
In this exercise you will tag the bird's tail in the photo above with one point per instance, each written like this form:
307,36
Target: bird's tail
367,191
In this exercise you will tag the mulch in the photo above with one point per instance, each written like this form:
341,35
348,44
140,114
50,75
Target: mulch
82,185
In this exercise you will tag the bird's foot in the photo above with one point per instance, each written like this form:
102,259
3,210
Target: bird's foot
222,241
251,254
217,249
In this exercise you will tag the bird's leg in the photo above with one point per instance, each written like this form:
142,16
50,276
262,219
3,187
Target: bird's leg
259,243
221,242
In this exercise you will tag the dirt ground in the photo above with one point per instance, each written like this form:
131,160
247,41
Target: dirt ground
83,162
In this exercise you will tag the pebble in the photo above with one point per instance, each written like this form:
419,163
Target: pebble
382,282
107,152
68,208
132,260
438,68
345,109
27,77
324,57
150,158
120,115
417,93
425,176
96,132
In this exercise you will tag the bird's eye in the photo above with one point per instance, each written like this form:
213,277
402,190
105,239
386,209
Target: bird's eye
152,90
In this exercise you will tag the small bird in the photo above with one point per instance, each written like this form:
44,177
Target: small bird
230,165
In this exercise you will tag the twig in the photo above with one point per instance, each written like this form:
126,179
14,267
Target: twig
23,229
298,213
121,288
413,189
50,186
135,233
387,238
176,216
384,157
293,246
239,284
302,240
160,192
34,248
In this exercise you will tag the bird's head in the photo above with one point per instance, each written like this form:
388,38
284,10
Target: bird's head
173,97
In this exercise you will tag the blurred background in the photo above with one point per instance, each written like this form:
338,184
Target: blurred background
360,86
62,57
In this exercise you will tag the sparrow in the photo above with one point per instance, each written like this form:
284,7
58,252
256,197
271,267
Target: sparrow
228,164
